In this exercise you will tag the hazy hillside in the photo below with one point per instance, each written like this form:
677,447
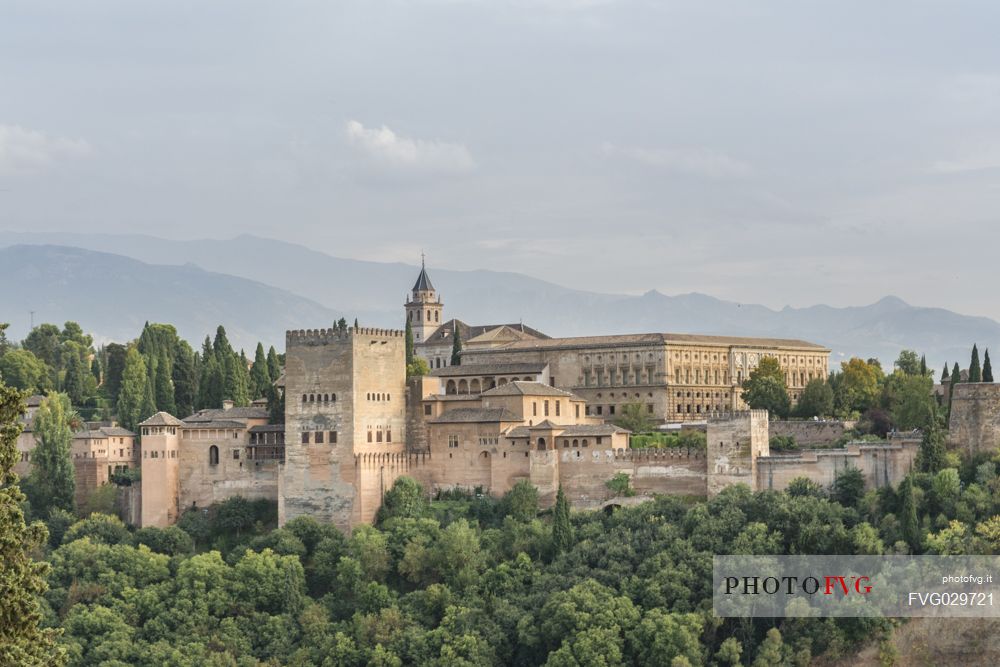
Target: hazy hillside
374,292
112,296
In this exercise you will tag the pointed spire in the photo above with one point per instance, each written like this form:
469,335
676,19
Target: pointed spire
423,283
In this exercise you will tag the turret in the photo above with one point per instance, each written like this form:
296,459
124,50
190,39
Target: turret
423,310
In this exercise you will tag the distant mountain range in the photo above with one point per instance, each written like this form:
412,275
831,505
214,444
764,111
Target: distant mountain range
259,287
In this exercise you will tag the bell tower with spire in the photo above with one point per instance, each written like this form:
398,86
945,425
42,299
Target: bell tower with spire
423,310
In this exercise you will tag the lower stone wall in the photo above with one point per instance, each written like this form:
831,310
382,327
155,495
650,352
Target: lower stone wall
880,464
128,504
652,471
811,433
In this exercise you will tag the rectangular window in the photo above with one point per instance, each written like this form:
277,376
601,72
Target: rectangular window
427,409
600,409
600,439
333,437
369,436
388,435
546,408
578,410
319,437
378,436
305,437
534,409
649,408
236,455
611,409
557,408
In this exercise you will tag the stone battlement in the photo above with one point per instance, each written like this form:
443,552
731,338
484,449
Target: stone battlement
323,336
719,417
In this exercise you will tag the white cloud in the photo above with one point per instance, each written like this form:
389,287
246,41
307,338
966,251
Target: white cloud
386,148
23,150
693,161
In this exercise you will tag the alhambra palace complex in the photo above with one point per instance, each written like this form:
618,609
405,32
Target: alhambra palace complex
520,406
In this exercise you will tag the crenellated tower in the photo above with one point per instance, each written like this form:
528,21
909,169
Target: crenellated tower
345,423
423,310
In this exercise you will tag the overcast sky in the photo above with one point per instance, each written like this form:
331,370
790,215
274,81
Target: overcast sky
780,152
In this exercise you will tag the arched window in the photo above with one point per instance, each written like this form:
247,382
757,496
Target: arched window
463,387
326,398
333,397
584,443
213,455
541,444
450,387
576,443
474,386
305,397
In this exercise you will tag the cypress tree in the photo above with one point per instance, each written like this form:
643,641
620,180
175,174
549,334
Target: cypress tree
956,377
409,342
341,326
562,529
210,387
975,373
164,389
148,407
355,323
236,380
908,515
987,368
221,345
260,376
185,380
52,476
22,578
944,373
456,349
73,382
931,457
923,365
274,364
132,393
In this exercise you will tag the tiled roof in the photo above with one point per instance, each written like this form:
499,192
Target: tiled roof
521,388
460,415
592,429
267,428
34,400
162,419
490,369
249,412
117,431
651,339
502,334
444,333
572,431
214,423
